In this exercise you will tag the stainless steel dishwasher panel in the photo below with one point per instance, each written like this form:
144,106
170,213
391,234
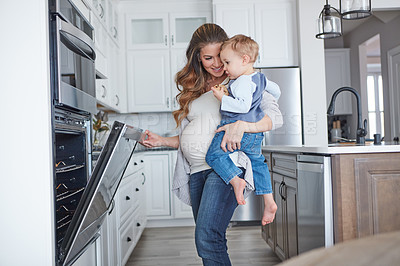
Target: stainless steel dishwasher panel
315,227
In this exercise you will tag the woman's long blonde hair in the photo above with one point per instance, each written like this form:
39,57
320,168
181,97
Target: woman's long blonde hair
192,79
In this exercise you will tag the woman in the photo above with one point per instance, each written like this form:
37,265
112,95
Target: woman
213,202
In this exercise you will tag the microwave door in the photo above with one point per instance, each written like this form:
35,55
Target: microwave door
100,191
75,72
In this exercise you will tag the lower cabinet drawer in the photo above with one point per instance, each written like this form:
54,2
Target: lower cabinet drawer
127,241
126,198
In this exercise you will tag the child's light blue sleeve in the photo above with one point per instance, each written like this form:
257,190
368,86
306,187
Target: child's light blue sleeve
273,89
242,91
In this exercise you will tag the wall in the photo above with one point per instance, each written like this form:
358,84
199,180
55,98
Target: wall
312,63
26,223
389,40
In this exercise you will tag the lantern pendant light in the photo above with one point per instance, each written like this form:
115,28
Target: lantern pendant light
355,9
329,25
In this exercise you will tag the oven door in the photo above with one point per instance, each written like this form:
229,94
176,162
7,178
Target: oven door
100,191
73,69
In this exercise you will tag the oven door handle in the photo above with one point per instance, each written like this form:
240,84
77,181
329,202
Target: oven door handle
76,40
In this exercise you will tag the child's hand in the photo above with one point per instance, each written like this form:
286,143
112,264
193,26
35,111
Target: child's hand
219,91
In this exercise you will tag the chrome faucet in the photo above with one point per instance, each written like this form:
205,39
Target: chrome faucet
361,131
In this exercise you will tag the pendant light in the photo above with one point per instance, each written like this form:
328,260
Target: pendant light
355,9
329,25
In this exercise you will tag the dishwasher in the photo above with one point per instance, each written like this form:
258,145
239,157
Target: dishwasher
314,209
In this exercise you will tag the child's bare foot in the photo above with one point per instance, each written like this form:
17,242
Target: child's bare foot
238,185
269,209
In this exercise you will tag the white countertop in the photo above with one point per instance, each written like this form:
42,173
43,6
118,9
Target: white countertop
335,148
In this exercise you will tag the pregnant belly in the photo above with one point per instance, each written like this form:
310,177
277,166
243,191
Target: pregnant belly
194,143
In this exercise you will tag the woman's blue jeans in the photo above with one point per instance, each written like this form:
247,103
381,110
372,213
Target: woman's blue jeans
213,204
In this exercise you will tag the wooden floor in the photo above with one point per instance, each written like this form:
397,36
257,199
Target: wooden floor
175,246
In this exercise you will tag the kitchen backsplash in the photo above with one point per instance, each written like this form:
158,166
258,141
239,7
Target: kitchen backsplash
160,123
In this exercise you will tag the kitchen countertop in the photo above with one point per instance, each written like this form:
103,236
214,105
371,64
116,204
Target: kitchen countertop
335,148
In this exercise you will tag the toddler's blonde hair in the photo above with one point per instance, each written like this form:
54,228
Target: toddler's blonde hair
242,45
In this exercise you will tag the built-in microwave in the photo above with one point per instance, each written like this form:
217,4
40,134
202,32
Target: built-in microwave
72,57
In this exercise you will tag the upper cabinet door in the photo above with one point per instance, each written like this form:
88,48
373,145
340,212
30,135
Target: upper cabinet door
149,31
276,33
235,18
271,23
148,81
182,26
178,61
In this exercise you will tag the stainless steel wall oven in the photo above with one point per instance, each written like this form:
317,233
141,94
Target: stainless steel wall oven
72,57
72,167
82,195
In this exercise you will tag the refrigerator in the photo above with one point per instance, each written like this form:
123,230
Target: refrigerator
291,133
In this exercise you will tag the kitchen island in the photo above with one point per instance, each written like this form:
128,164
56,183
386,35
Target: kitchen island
361,184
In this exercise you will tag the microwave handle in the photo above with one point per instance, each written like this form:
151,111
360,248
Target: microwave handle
77,40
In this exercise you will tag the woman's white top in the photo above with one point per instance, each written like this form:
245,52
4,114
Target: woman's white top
196,137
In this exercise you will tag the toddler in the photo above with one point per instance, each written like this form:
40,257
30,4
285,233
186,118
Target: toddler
245,89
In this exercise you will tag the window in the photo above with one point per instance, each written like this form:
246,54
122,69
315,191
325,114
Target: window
375,105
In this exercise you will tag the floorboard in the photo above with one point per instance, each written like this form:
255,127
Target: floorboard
175,246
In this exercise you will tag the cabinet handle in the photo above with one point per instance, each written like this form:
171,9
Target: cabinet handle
280,189
116,96
283,190
144,178
104,94
167,102
165,40
128,239
115,32
172,39
102,11
127,198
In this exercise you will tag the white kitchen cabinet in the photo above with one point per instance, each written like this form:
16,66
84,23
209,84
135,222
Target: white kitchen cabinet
157,168
161,202
180,209
148,80
337,74
235,18
272,24
99,10
112,19
156,44
126,218
178,61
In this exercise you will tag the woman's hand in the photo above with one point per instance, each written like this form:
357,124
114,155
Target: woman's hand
153,140
233,135
234,132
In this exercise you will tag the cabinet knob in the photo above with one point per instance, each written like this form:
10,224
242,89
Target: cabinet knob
141,161
135,163
128,239
137,189
127,198
138,224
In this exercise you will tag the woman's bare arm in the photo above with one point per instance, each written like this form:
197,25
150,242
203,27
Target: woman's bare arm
153,140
